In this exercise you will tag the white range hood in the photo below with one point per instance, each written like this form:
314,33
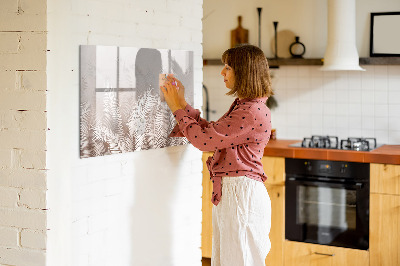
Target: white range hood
341,51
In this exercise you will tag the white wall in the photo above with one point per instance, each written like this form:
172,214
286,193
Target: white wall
306,19
23,133
140,208
311,102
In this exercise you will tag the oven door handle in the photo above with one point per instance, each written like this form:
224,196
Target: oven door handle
357,185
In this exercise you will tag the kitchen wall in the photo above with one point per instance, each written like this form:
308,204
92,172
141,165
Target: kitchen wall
139,208
342,103
23,128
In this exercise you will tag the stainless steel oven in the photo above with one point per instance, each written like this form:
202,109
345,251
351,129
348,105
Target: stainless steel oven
327,202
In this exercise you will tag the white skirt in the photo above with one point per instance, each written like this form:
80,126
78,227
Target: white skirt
241,223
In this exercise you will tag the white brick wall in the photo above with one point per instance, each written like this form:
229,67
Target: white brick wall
140,208
22,132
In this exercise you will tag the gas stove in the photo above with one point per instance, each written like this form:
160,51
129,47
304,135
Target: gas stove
332,142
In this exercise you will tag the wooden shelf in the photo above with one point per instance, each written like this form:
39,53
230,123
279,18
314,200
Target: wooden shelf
274,63
380,61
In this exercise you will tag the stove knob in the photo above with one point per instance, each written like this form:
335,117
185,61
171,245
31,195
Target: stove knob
308,166
343,168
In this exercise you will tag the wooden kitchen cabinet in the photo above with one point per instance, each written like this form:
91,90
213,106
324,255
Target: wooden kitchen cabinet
384,236
305,254
274,168
206,225
277,233
385,178
385,215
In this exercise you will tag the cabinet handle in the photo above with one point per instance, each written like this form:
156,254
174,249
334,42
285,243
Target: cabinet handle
324,254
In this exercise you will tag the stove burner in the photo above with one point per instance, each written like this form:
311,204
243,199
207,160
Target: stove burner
332,142
328,142
358,144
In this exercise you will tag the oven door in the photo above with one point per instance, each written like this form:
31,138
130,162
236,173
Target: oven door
327,213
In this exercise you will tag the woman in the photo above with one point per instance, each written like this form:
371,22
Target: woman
242,208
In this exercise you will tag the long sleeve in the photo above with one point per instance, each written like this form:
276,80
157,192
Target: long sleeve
230,131
193,113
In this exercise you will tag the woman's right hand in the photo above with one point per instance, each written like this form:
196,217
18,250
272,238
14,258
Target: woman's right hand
181,91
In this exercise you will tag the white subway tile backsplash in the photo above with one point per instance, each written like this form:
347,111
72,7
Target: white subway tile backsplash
381,84
382,123
342,109
342,133
329,93
342,96
352,102
304,82
329,109
292,82
355,122
382,136
367,96
342,122
381,97
367,133
394,110
328,74
304,108
342,81
291,71
318,131
304,72
355,109
316,72
368,122
355,132
316,82
329,122
394,123
354,80
367,110
394,82
394,97
393,71
355,96
380,71
394,137
381,110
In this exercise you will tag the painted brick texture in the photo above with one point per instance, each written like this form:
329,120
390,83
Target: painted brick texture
23,132
139,208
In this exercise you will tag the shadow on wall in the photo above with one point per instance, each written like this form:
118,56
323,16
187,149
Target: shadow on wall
155,200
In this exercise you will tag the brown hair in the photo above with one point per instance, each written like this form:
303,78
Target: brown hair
250,66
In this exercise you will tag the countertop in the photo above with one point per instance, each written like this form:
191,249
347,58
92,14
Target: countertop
388,154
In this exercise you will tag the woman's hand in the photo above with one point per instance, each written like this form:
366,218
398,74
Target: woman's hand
172,94
181,91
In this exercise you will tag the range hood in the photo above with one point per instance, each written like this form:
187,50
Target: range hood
341,51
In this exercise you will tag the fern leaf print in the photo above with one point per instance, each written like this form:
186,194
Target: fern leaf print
120,106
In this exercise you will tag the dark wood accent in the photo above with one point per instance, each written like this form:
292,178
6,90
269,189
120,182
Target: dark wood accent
389,154
313,61
380,61
295,61
275,62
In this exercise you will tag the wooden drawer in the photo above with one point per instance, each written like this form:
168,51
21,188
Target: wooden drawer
304,254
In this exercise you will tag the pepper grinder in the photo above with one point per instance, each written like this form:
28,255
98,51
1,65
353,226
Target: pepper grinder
276,38
259,26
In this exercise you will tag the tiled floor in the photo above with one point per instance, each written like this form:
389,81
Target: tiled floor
206,261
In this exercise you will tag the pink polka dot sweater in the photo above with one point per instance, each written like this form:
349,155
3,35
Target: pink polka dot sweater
238,139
